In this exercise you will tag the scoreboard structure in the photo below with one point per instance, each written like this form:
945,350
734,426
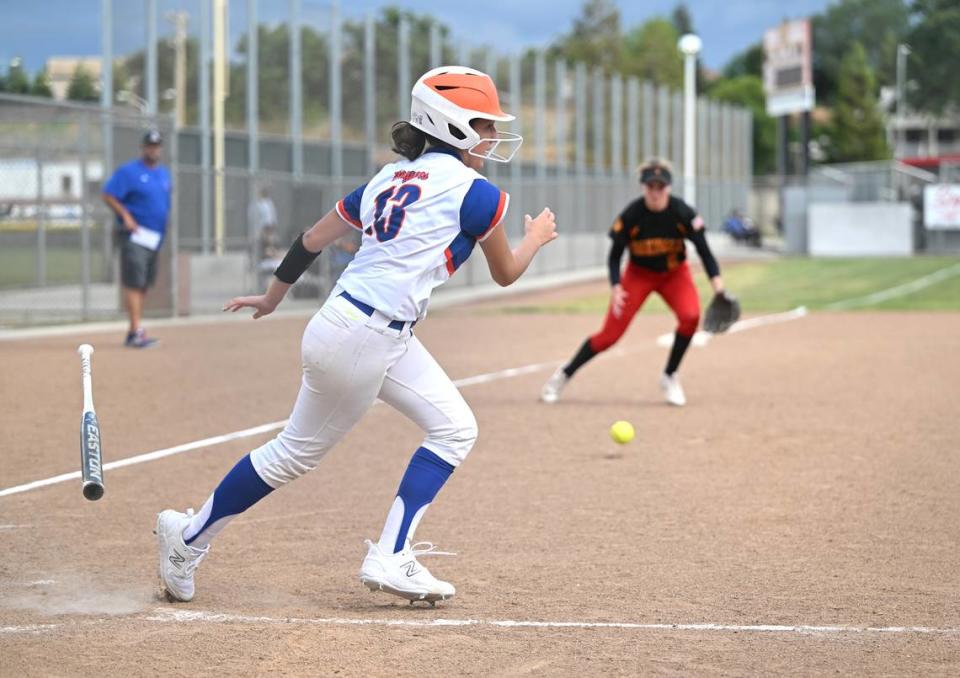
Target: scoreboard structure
788,68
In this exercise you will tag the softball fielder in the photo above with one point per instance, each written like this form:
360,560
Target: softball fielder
420,218
654,229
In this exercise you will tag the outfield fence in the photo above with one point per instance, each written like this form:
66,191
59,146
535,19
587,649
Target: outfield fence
585,133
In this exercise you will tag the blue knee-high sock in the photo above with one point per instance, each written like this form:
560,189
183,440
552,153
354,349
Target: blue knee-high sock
239,490
424,477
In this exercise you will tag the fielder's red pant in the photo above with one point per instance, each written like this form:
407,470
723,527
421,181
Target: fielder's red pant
677,289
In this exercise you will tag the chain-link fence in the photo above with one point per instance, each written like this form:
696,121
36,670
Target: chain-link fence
303,142
56,235
780,206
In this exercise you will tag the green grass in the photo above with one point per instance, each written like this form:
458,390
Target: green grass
784,284
18,266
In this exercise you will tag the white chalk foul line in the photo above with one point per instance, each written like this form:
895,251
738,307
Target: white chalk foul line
166,615
701,338
898,291
273,426
245,433
28,628
149,456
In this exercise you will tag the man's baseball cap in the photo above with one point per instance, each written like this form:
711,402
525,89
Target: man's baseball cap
152,138
655,173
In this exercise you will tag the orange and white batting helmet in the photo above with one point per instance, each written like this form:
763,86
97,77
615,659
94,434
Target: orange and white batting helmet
445,100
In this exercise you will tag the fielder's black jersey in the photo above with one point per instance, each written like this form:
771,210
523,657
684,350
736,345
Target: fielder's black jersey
656,239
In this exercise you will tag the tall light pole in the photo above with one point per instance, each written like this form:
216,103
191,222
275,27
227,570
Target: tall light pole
220,66
903,51
179,20
690,45
151,62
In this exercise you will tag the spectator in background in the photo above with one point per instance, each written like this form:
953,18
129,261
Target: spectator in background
268,250
342,254
263,212
742,228
139,194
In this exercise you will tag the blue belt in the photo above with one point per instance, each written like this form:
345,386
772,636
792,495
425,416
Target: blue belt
368,310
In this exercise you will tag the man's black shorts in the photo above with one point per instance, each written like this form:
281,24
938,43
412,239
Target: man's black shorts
138,265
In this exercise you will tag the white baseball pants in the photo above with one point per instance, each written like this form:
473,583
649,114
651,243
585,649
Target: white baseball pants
349,360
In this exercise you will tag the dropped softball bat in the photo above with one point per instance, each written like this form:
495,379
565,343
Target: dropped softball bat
91,466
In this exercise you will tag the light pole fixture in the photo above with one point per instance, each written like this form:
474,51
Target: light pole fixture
127,97
903,51
690,45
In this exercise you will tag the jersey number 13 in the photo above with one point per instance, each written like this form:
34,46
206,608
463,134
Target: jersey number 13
387,223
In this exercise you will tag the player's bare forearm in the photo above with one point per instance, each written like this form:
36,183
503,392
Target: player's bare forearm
328,230
276,291
507,265
716,282
262,304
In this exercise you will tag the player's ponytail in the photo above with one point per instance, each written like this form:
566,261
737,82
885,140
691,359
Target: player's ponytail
408,141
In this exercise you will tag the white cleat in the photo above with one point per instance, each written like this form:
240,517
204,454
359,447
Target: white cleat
550,393
672,390
177,560
402,574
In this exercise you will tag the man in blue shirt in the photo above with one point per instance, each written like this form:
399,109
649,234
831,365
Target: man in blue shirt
139,194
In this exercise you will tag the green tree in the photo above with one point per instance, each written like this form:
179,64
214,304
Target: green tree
747,62
595,39
121,80
41,85
650,52
274,80
681,19
134,65
387,57
878,24
935,59
17,80
81,87
858,129
747,91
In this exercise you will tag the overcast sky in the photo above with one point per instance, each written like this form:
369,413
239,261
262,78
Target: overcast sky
37,29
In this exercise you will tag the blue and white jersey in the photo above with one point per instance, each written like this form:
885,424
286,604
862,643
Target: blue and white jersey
420,221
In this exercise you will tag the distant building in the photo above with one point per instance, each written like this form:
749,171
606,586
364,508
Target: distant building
919,135
920,138
60,70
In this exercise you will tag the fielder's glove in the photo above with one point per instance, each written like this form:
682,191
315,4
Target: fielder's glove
722,312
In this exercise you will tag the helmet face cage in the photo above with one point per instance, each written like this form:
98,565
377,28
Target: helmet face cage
445,100
510,141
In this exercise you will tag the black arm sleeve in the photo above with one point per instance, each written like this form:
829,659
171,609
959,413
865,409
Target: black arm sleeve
699,238
613,260
296,261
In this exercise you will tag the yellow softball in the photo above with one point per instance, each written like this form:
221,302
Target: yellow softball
622,431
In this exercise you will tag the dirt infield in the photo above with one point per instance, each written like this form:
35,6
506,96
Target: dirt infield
799,516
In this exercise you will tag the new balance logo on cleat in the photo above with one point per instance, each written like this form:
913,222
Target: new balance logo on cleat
178,562
402,574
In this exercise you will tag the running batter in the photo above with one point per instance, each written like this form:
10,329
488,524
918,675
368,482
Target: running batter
420,218
654,229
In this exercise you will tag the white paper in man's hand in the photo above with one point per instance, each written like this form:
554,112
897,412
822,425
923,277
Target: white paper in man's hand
144,237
